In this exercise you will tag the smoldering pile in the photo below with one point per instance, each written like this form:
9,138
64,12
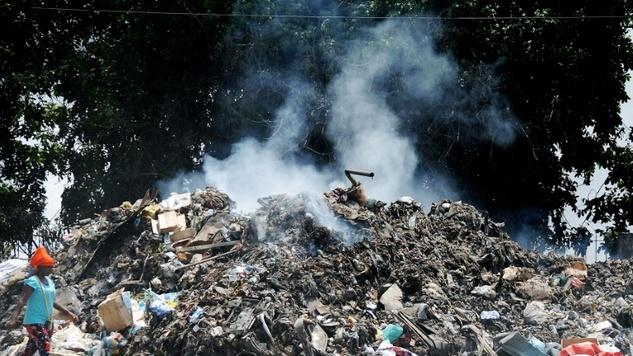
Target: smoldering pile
392,280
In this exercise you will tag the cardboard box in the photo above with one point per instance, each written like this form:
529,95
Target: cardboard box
116,311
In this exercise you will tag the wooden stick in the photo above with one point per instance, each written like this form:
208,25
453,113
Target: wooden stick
207,246
205,260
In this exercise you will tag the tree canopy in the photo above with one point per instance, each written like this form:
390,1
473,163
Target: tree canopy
116,101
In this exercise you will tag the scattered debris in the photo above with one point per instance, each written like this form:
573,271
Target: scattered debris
489,315
319,339
306,276
534,313
516,345
517,274
484,291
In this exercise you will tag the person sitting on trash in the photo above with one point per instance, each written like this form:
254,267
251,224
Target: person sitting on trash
38,294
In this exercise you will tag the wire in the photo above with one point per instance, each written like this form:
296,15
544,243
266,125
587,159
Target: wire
295,16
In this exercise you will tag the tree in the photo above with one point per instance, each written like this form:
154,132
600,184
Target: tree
613,206
116,101
563,79
29,119
143,91
136,103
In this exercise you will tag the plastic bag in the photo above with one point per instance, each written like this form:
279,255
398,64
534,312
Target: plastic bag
392,332
163,304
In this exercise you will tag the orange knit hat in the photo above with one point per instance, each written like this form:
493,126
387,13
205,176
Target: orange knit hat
42,258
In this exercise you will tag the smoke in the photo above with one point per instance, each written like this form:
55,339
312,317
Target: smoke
366,131
366,125
255,168
324,216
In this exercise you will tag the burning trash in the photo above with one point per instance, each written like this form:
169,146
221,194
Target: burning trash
326,275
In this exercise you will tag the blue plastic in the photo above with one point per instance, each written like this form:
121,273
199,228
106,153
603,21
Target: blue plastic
392,332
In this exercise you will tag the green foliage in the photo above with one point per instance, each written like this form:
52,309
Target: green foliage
143,91
29,121
564,80
613,206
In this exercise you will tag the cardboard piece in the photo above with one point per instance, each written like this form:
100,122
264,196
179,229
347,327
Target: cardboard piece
392,298
171,221
206,234
182,234
115,311
155,227
577,340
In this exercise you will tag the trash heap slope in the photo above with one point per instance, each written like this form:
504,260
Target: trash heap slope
305,275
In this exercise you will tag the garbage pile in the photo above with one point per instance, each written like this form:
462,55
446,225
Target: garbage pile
326,276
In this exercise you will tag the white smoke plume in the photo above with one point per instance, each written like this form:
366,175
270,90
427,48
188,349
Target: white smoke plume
365,129
256,169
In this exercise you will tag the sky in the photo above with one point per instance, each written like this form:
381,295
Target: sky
591,190
54,189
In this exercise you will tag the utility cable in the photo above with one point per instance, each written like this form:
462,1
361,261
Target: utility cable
345,17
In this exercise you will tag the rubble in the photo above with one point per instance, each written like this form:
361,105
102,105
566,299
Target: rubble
315,277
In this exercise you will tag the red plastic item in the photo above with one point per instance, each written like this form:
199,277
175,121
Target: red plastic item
587,348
